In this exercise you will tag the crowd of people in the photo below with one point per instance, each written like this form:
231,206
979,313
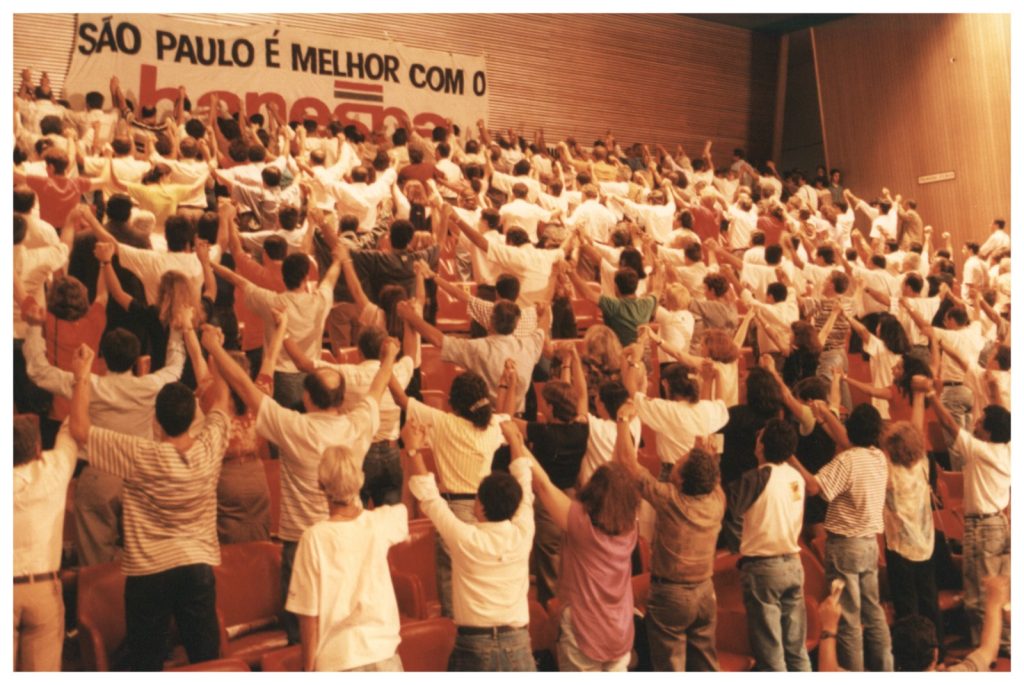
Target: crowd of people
185,283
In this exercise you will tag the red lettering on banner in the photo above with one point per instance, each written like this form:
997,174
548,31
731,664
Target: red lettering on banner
303,108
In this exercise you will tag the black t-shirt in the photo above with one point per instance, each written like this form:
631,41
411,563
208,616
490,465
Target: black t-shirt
814,451
559,447
740,440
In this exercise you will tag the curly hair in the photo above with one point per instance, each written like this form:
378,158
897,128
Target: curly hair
68,299
903,443
700,473
469,399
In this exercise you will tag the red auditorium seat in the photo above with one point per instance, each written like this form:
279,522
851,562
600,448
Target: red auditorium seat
452,314
587,314
217,665
951,487
249,600
731,640
727,583
815,585
100,614
438,399
272,467
436,374
347,355
288,659
409,594
427,645
415,556
542,636
101,623
641,591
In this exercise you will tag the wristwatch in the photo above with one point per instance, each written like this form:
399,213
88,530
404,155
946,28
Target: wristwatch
827,635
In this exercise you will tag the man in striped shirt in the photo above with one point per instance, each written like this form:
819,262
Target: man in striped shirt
853,484
170,515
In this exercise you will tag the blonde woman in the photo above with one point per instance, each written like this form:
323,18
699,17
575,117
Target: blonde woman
675,319
341,585
909,527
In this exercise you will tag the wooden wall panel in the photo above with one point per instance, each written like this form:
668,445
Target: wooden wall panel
663,78
904,96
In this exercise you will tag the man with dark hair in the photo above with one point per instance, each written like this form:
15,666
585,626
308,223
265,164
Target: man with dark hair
854,484
149,265
998,240
56,192
188,169
487,356
307,312
39,233
120,401
625,312
490,558
960,341
832,328
985,456
304,437
525,213
395,266
681,609
40,492
170,515
506,289
714,310
766,511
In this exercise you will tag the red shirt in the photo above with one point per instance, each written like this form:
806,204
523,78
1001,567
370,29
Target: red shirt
706,222
266,275
57,196
772,229
64,337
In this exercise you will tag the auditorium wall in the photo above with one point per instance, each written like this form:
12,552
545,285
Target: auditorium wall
655,78
905,96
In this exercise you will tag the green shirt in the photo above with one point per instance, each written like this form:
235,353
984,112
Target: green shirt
623,315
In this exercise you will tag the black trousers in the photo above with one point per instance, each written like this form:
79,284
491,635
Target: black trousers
913,589
189,594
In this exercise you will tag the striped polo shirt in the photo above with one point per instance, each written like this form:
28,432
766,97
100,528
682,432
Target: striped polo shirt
853,484
170,497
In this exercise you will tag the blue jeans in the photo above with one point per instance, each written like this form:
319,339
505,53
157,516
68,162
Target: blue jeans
773,594
508,651
855,560
680,623
382,471
831,360
958,401
986,553
463,510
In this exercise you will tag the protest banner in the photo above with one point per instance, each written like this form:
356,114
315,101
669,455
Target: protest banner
306,75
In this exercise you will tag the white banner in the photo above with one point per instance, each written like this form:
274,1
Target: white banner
360,81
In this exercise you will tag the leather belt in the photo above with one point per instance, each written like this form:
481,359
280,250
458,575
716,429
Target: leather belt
37,577
457,496
493,631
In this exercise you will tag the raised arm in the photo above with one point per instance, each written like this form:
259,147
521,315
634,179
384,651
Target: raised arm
104,253
271,355
431,334
625,448
236,377
79,422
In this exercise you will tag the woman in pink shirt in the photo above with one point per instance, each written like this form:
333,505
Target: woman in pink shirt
594,585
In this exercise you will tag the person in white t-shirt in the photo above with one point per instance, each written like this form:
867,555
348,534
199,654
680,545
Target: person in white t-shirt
975,273
341,584
986,457
490,558
766,508
998,240
523,213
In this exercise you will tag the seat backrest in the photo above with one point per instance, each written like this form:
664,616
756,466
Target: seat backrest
101,627
731,631
409,594
641,590
282,660
726,578
541,636
416,556
427,645
249,585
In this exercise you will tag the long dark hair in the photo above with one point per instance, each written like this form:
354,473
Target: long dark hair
912,366
891,332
